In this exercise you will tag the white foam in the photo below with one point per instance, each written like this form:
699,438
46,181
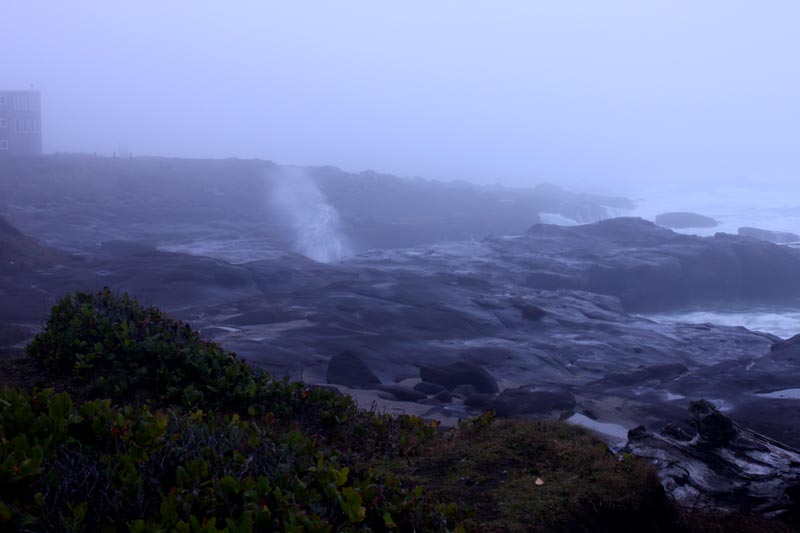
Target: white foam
298,200
556,219
785,394
781,321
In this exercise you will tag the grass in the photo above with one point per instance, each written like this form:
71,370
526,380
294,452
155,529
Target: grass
543,476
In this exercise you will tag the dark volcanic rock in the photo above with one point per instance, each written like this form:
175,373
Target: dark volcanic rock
725,466
582,208
777,237
19,252
404,394
429,401
530,400
660,373
444,396
712,426
263,316
459,373
529,311
679,220
479,400
428,388
123,248
651,268
789,344
348,369
465,390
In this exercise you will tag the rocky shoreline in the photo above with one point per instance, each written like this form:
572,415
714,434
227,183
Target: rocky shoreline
536,325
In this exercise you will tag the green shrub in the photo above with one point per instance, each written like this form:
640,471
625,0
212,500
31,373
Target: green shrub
122,350
190,437
96,467
115,348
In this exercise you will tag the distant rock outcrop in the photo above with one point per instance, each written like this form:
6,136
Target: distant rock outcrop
682,220
777,237
649,267
582,208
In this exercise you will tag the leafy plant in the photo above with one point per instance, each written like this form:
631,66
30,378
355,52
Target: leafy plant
97,467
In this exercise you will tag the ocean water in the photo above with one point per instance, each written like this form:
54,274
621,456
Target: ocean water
780,320
774,207
762,204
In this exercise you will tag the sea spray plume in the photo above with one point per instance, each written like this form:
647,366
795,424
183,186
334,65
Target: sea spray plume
315,225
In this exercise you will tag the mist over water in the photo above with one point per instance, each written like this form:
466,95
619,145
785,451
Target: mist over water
315,224
769,205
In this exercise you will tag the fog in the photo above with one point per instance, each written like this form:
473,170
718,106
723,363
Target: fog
600,96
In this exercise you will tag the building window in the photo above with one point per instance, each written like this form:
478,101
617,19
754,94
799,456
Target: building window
3,123
2,100
17,125
4,145
21,102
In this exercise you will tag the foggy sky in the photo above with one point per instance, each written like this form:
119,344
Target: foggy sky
578,92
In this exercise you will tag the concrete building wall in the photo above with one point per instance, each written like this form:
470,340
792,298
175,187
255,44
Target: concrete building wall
20,123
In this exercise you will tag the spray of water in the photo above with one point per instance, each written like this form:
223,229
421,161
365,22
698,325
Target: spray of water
316,229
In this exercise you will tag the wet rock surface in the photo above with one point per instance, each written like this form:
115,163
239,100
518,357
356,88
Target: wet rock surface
348,369
461,374
532,400
777,237
538,324
720,464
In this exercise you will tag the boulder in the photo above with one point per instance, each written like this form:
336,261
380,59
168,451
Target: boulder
403,394
532,400
459,373
349,370
428,388
429,401
712,426
479,400
465,390
444,396
680,220
529,311
777,237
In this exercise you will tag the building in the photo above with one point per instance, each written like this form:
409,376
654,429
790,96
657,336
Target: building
20,124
